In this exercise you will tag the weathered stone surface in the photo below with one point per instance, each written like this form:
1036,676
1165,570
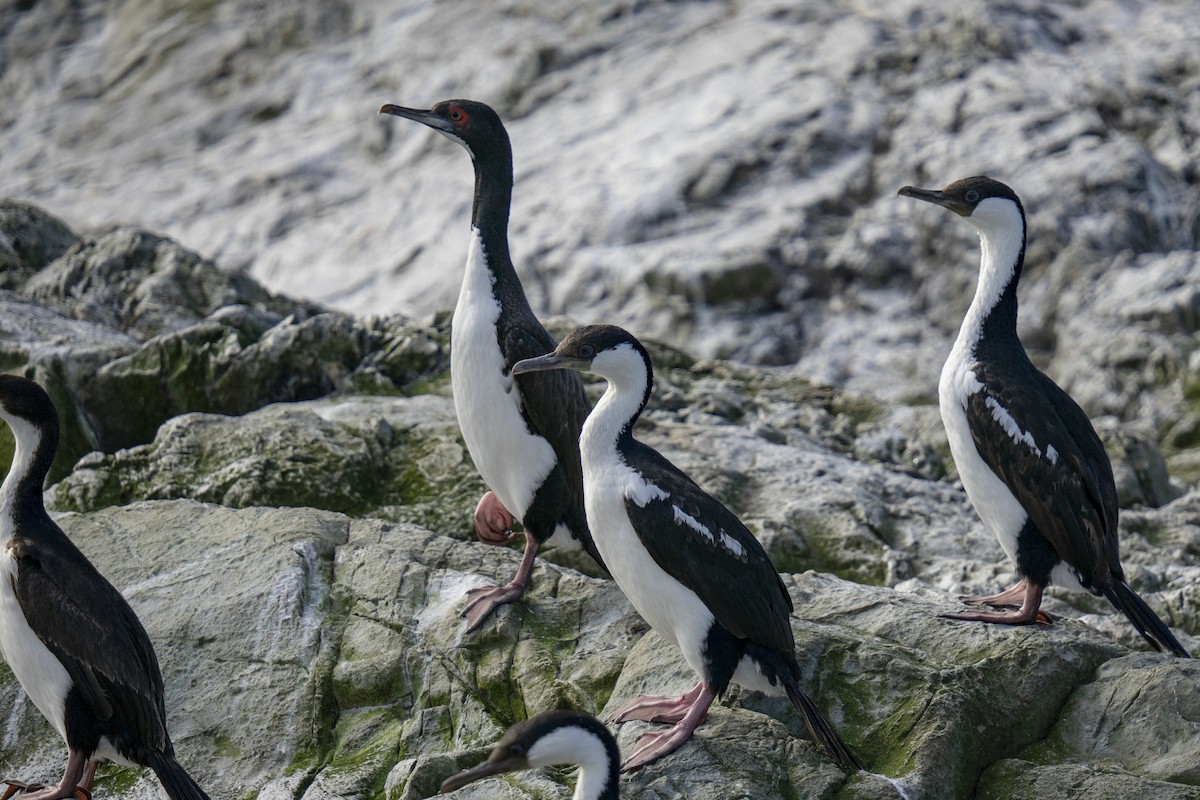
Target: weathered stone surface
342,670
146,285
757,219
62,355
394,457
238,606
30,239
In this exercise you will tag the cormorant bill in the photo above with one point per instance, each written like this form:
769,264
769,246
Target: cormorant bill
554,737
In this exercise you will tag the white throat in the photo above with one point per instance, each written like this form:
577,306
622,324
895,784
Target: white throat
1001,236
573,745
626,374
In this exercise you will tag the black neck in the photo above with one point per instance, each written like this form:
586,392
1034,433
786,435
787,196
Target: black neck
490,210
613,786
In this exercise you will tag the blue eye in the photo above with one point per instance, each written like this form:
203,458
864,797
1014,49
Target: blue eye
586,350
971,196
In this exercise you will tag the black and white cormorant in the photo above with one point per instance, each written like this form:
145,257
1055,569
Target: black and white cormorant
686,563
554,737
522,434
72,641
1028,457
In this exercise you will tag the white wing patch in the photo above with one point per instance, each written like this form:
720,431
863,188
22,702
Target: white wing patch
1001,415
684,518
1052,454
640,491
726,541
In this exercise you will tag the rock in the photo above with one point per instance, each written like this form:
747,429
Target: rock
62,355
394,457
1139,470
147,285
30,239
237,605
240,359
759,223
343,670
1134,329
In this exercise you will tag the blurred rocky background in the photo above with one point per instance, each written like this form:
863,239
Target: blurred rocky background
232,277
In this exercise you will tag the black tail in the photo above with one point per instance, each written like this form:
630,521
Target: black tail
821,729
1152,629
175,780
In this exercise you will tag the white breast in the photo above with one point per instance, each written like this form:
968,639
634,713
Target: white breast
512,461
671,608
997,507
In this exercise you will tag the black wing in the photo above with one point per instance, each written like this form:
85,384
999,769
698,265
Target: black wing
1041,444
555,406
700,543
91,629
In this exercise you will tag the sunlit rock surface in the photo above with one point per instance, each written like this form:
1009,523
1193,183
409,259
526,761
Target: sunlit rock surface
204,207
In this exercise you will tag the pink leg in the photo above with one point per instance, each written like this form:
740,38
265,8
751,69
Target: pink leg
1009,597
653,746
1027,613
89,777
656,708
493,523
482,602
67,787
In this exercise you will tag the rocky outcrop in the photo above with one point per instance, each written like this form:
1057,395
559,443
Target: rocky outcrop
336,649
719,176
280,488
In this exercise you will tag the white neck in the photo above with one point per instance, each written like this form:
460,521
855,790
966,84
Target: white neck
27,438
573,745
1001,237
626,374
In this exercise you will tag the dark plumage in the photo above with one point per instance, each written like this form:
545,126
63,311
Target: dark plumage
525,443
688,564
71,639
1028,456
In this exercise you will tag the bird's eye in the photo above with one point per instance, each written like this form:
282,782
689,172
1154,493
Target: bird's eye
457,115
971,196
517,751
586,350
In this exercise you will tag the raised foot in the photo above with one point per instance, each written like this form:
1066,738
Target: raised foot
39,791
656,708
493,522
483,601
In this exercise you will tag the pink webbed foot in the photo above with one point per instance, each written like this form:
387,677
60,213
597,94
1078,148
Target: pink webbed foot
493,522
39,791
483,601
657,708
1030,611
1009,598
653,746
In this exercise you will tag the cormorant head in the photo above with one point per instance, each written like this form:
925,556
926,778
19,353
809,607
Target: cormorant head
605,350
554,737
987,203
472,124
22,399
